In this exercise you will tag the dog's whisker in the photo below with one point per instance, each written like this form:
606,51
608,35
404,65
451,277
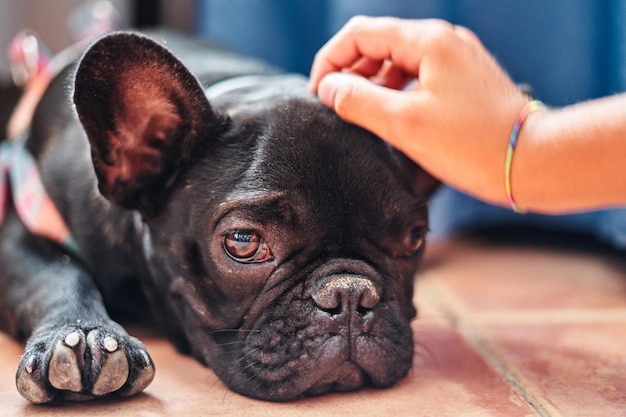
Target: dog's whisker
225,331
239,342
247,355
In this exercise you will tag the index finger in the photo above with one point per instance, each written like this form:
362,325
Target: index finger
401,41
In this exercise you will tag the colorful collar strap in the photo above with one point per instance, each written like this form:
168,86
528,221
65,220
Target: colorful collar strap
34,67
19,175
20,180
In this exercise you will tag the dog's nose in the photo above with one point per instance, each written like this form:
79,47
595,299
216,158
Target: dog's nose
340,294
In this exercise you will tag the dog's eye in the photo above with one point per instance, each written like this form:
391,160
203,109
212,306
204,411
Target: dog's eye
246,246
414,239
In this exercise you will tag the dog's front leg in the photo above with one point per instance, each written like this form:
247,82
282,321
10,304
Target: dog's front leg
73,349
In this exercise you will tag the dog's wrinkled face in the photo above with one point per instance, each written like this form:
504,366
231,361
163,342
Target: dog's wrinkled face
302,251
280,240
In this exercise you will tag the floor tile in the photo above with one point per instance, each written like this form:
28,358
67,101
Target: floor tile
456,381
483,278
580,369
550,321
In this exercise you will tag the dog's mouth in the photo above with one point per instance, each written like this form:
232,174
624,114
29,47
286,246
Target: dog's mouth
346,377
282,362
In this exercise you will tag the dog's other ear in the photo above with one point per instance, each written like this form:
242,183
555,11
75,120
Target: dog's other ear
417,178
426,183
142,110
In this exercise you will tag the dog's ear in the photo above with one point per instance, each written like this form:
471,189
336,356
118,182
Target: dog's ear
142,111
417,178
426,183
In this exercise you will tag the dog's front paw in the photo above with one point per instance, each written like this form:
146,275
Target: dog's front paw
79,364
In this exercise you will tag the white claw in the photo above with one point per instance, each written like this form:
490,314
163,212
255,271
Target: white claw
29,364
110,344
72,339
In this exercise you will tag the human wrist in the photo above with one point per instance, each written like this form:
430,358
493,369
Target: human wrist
571,159
530,107
536,181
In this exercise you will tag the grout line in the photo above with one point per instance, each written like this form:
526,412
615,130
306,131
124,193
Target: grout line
494,360
546,317
444,302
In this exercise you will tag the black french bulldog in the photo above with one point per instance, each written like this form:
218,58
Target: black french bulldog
275,242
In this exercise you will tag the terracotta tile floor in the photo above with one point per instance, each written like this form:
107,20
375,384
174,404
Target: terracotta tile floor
504,330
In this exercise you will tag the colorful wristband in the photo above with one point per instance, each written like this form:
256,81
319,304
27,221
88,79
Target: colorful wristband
530,107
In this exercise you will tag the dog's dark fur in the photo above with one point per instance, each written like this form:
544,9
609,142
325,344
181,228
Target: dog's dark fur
272,240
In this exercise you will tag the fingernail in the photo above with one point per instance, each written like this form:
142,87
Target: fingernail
326,89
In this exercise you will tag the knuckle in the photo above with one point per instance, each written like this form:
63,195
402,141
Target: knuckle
466,34
364,24
357,22
442,34
439,40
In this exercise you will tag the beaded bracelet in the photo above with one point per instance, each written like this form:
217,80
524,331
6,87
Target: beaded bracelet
530,107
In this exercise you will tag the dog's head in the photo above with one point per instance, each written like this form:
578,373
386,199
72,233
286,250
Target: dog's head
281,241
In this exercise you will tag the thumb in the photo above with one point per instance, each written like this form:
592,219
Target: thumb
362,102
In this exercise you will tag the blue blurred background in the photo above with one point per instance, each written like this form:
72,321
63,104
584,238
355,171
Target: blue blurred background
566,50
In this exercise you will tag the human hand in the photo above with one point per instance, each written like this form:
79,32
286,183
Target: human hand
455,119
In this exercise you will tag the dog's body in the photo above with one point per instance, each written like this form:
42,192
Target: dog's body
273,241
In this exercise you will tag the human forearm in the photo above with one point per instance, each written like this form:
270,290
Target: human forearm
455,121
573,158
